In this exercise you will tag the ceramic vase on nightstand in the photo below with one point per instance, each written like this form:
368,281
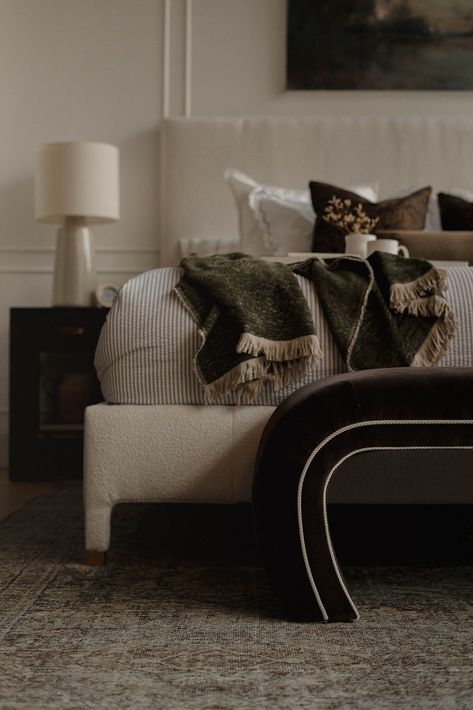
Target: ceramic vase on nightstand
357,244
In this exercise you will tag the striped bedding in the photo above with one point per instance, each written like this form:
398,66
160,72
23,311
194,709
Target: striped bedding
146,348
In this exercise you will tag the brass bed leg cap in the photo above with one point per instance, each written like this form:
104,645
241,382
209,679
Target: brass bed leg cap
95,558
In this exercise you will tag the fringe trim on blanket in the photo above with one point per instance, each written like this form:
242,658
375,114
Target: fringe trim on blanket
249,391
250,373
248,378
290,359
413,298
280,350
282,374
436,343
401,294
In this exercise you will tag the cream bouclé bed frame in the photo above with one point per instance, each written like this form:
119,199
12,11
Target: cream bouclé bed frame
187,453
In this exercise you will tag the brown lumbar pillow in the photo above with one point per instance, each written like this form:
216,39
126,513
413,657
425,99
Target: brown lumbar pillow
456,214
401,213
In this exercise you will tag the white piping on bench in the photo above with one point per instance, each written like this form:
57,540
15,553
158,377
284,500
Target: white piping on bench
314,453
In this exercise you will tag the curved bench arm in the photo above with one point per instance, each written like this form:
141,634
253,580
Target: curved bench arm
310,435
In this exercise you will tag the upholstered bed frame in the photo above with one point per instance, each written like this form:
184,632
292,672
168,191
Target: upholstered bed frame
189,453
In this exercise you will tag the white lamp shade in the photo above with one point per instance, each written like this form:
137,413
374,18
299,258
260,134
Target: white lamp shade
77,179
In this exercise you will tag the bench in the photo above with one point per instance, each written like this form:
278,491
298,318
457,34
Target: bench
309,437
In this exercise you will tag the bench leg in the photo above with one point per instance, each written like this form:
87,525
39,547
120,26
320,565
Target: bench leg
321,565
297,549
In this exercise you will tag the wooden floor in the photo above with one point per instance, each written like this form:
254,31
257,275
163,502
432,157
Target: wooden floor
14,496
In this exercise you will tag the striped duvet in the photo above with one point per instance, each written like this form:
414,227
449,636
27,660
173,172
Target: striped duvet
146,348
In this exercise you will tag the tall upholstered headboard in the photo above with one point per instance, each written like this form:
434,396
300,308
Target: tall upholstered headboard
399,153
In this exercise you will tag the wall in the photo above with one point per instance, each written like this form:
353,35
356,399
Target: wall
238,67
109,70
75,69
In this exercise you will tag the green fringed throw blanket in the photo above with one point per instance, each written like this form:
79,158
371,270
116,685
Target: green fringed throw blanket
254,322
387,311
256,326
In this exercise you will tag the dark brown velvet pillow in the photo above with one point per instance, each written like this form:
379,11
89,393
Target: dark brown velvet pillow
400,213
456,214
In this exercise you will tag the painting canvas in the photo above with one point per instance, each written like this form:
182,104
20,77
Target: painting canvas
380,44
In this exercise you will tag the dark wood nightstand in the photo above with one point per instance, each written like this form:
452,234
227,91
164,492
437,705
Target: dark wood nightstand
52,380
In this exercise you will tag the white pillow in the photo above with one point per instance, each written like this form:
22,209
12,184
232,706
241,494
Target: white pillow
432,218
276,220
284,222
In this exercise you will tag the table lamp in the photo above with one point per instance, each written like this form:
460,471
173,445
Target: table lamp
77,184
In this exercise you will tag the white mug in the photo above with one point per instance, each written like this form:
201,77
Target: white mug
389,246
357,244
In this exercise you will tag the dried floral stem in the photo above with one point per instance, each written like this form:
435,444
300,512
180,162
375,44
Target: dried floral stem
352,220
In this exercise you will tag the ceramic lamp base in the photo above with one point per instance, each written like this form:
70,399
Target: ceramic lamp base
74,270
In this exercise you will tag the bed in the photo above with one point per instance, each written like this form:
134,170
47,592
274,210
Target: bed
140,450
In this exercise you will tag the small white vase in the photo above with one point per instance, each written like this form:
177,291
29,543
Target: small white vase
357,244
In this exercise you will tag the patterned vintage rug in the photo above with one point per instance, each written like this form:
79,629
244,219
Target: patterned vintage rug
152,631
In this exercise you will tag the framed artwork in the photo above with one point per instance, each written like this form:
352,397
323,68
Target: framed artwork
380,44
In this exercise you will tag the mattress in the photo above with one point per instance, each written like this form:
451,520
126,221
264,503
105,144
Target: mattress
146,348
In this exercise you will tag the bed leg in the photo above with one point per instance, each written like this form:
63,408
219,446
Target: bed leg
95,558
97,532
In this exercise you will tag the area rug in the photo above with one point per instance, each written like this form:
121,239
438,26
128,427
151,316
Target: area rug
196,626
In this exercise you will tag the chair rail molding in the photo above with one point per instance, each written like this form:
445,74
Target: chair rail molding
51,250
116,260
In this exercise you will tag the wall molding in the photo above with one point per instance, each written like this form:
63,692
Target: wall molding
52,250
166,78
188,62
177,58
41,270
120,260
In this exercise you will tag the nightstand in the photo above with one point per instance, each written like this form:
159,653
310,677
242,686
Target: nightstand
52,380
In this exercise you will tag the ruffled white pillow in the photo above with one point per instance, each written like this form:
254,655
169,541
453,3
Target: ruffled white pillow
276,220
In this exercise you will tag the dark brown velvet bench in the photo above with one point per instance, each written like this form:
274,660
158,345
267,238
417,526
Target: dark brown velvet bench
310,435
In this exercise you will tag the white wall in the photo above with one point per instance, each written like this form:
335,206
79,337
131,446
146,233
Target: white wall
107,70
75,69
238,67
